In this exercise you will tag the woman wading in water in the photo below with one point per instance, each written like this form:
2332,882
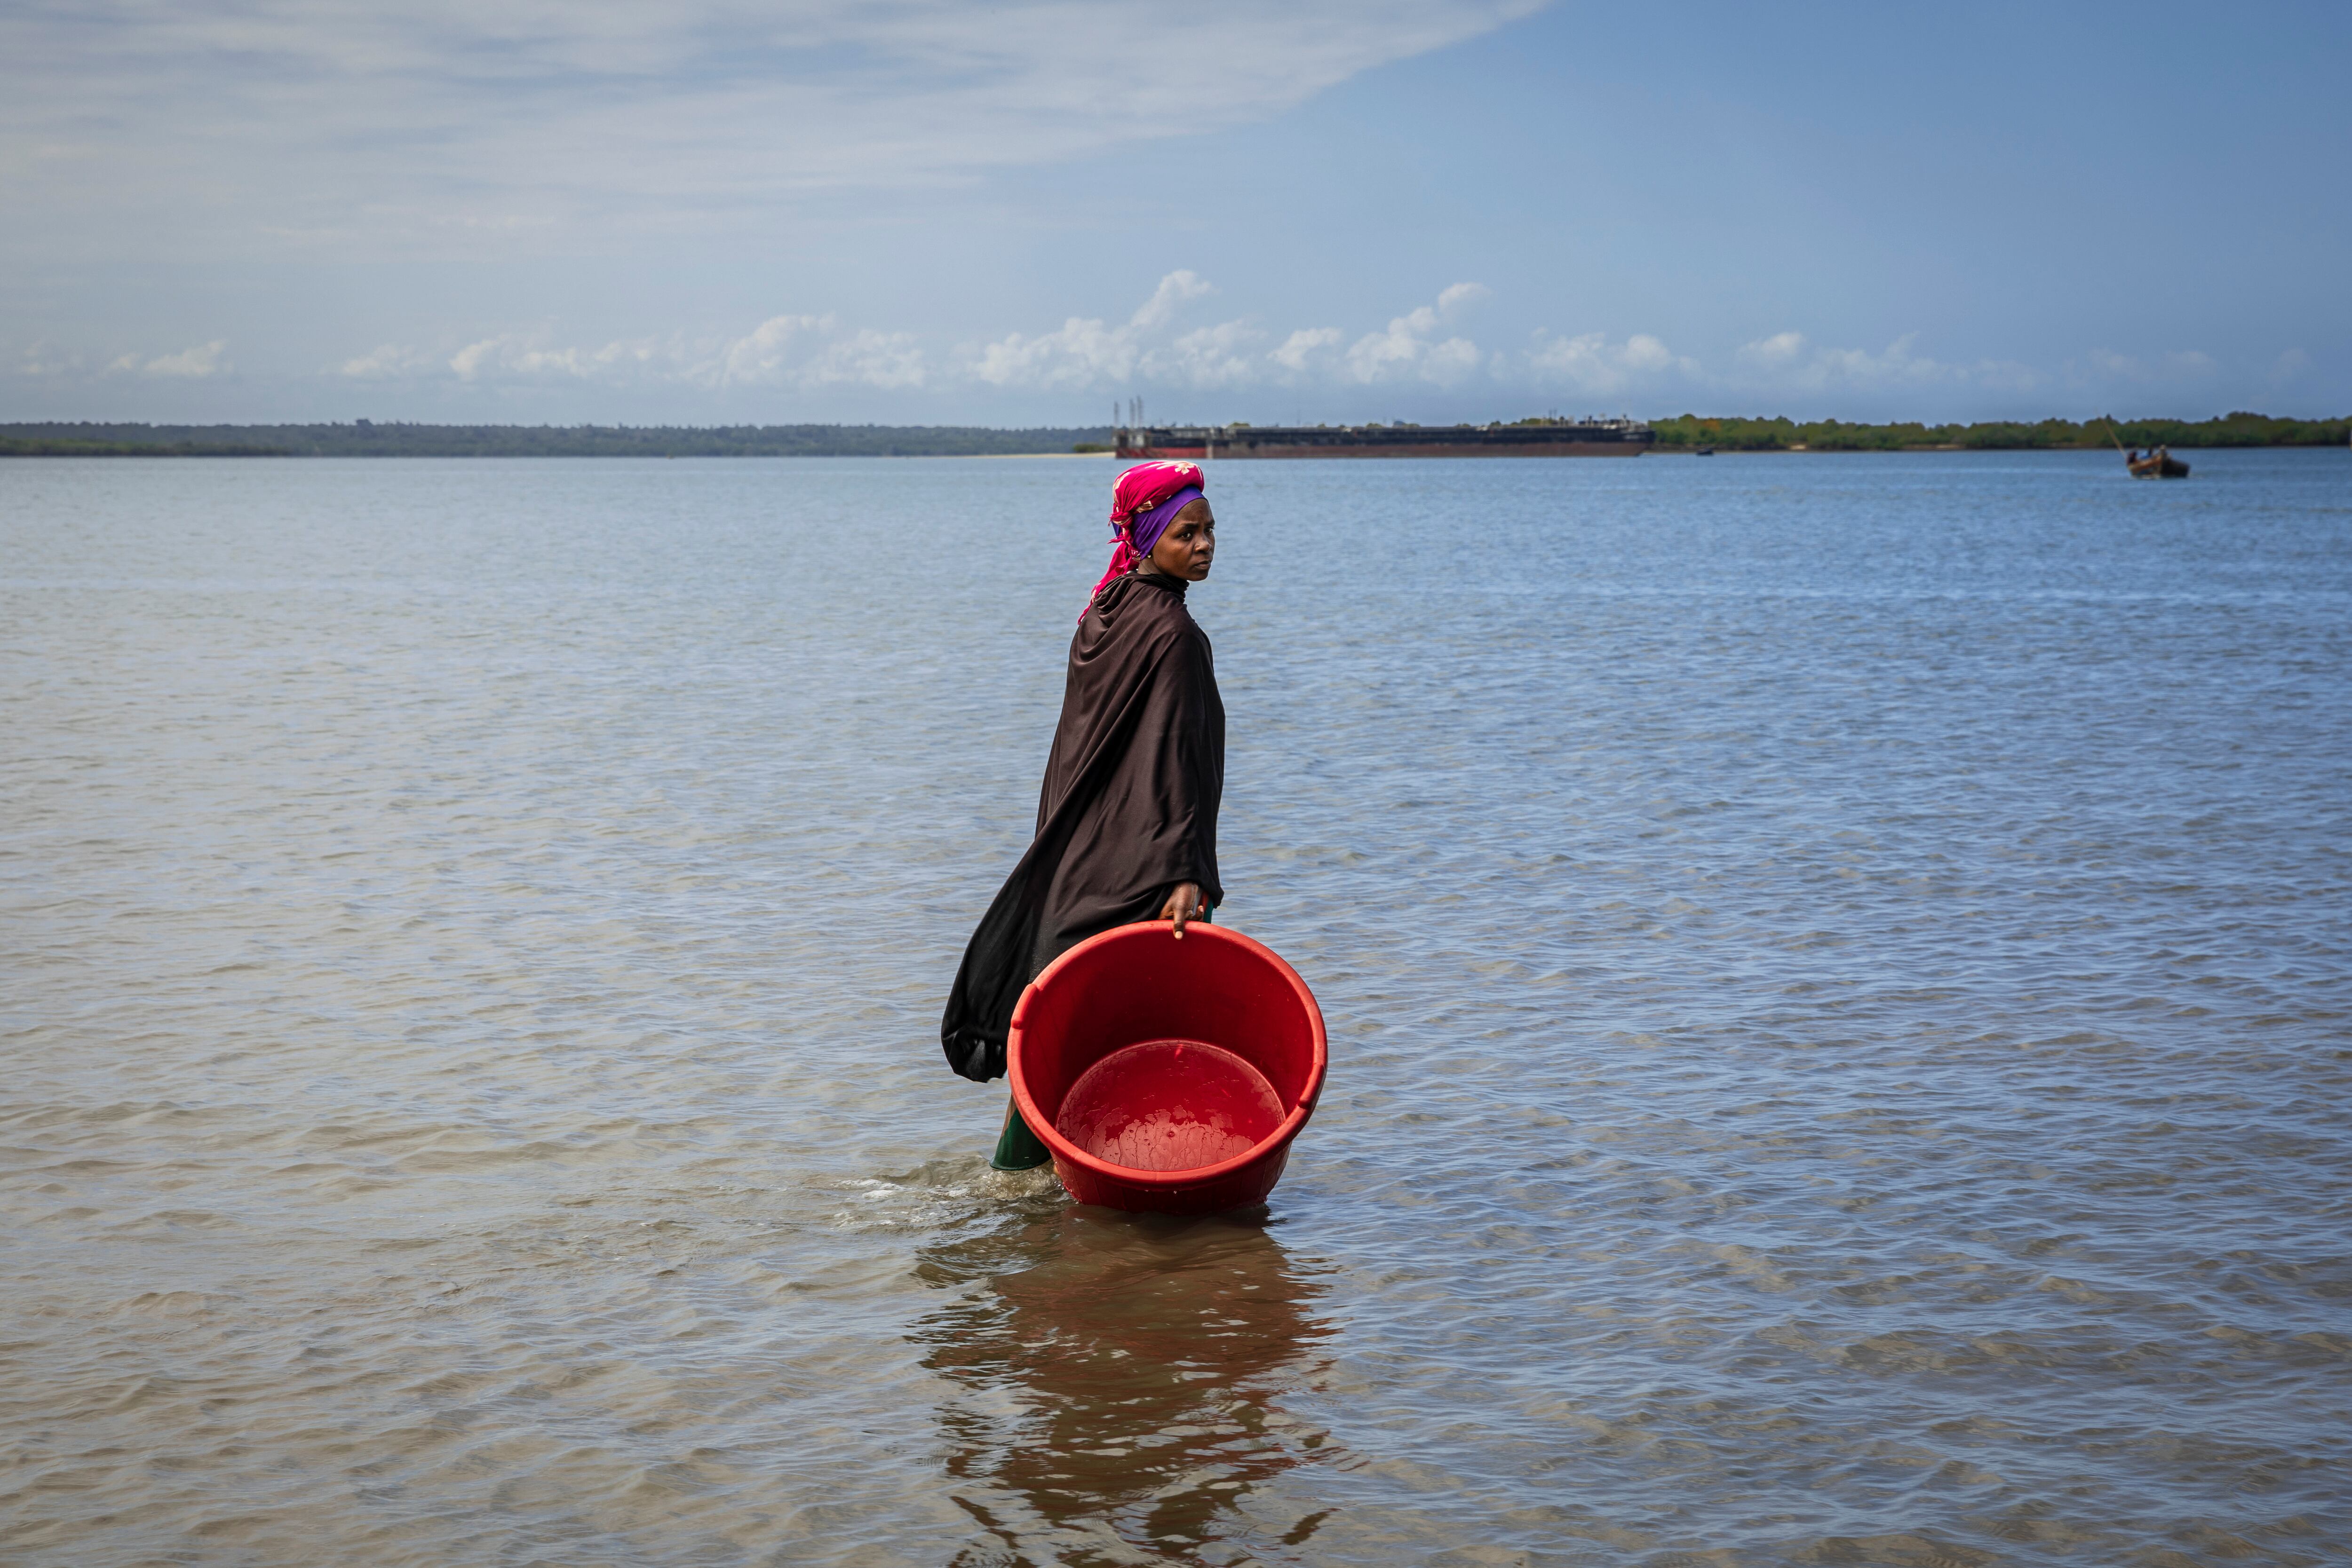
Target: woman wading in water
1126,821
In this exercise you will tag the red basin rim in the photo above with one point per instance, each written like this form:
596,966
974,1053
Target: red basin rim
1169,1181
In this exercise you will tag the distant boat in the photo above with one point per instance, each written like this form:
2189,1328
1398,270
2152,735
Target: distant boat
2158,463
1704,451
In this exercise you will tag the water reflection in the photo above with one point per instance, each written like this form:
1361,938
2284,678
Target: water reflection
1115,1378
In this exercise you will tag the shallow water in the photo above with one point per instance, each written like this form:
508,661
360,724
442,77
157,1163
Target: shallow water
1837,970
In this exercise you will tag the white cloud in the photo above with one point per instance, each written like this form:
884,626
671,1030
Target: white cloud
1859,366
188,364
512,356
1776,352
1590,362
2169,369
1174,289
1456,299
385,361
204,360
888,360
1218,356
1789,361
1411,348
788,351
454,126
1085,352
1308,345
765,352
41,360
1156,347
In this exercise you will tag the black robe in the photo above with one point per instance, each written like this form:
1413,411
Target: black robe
1128,808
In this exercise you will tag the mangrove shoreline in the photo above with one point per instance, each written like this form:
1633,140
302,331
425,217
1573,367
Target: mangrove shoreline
1682,433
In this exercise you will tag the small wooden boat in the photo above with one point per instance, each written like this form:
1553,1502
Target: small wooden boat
2160,463
1704,451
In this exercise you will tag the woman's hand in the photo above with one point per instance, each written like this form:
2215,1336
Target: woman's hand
1183,903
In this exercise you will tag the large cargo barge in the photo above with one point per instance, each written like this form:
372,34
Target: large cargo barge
1529,438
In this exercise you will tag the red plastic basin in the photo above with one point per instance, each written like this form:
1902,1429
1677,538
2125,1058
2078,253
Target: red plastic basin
1165,1075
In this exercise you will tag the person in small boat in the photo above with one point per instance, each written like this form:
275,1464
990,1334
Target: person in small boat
1127,818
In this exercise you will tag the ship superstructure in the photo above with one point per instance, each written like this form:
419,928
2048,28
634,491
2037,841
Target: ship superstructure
1528,438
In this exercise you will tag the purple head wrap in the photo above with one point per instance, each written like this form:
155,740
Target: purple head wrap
1148,527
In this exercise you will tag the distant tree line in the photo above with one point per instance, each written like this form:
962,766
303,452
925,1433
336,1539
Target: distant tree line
1683,433
366,439
1686,431
67,446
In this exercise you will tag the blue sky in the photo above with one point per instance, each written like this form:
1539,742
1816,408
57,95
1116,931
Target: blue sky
918,211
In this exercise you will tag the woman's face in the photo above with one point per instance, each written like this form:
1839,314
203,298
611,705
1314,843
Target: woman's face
1189,545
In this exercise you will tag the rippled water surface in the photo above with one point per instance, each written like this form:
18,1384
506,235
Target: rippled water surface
1837,971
